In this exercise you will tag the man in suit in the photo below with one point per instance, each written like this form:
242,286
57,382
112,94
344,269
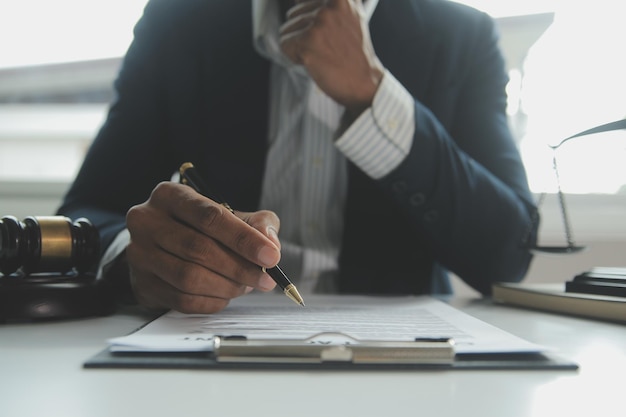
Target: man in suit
374,130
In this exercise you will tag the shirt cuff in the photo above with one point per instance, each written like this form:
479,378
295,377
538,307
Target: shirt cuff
117,247
381,137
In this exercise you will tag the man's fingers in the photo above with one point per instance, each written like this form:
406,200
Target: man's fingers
161,294
217,222
162,279
304,7
300,18
177,251
190,253
188,277
265,221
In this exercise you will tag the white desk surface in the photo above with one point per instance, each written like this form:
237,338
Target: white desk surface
41,374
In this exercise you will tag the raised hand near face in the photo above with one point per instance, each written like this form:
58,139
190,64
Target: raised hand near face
331,39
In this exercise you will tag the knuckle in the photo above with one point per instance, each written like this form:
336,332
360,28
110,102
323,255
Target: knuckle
134,216
162,191
264,218
246,272
211,216
216,305
197,248
272,217
243,242
184,303
162,195
168,194
188,279
233,291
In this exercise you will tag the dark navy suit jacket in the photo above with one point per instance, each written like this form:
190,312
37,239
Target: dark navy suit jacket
192,88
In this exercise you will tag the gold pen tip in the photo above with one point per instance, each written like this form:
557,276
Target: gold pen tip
292,292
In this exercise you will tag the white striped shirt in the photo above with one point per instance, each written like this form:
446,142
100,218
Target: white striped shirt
306,173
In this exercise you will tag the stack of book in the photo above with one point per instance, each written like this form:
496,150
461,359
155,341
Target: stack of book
599,293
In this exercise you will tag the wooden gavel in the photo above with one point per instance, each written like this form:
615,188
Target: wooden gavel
47,244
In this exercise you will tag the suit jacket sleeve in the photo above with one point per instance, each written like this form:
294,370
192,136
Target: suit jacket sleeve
462,183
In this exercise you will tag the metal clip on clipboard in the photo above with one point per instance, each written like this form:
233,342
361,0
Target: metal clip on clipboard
307,351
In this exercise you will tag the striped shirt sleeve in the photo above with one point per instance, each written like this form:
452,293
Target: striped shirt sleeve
381,137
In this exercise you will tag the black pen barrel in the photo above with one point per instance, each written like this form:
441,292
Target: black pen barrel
279,277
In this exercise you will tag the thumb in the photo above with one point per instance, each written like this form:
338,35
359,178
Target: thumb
272,233
266,222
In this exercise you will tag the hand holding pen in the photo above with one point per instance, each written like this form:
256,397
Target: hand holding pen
190,254
189,176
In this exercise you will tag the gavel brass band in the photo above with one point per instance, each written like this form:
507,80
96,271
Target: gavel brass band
47,244
56,242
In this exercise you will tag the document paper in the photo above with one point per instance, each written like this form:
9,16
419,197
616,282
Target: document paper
326,319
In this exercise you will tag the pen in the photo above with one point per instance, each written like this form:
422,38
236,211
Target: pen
189,176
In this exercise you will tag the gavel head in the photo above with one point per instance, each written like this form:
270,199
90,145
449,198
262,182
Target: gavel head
47,244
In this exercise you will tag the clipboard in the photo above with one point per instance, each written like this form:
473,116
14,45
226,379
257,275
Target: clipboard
245,336
237,352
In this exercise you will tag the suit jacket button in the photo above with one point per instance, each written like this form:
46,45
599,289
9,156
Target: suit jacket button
417,199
